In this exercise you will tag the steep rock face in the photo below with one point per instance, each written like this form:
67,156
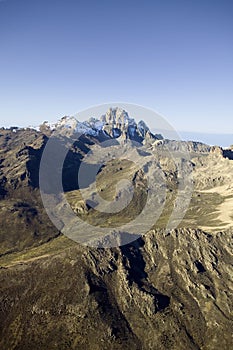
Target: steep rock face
164,291
117,117
143,128
118,123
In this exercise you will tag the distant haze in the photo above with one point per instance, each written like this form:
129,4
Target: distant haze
223,140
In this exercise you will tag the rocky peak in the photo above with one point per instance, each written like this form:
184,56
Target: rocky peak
143,128
115,123
117,117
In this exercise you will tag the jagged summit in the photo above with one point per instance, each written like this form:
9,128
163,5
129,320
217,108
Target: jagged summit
117,116
115,123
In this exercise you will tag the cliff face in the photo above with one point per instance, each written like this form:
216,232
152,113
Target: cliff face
118,123
166,290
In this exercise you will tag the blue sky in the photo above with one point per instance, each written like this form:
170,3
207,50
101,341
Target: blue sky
174,56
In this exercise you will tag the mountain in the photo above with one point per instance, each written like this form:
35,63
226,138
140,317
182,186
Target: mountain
169,288
114,124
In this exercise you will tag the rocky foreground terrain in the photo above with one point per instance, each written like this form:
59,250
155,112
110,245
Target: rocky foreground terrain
169,289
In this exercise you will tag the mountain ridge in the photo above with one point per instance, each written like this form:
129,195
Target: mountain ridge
176,284
115,123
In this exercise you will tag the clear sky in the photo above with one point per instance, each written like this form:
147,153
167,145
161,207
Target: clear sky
174,56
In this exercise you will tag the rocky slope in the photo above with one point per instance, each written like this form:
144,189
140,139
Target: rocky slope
164,291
